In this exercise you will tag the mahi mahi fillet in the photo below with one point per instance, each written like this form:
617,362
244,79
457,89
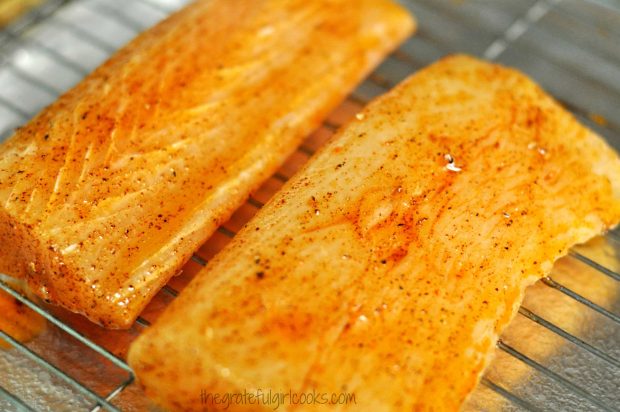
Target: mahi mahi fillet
390,264
107,192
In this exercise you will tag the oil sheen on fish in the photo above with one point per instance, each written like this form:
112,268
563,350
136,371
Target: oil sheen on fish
390,264
107,192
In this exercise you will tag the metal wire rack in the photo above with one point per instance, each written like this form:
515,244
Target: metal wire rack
569,46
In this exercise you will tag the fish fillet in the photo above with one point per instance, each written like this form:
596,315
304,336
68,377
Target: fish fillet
107,192
550,349
388,266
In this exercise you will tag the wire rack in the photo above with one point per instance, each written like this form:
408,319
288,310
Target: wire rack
569,46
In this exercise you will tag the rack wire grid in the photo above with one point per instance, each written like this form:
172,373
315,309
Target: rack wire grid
563,349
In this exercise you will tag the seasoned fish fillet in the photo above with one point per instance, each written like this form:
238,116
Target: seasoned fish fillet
551,349
107,192
17,320
390,264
